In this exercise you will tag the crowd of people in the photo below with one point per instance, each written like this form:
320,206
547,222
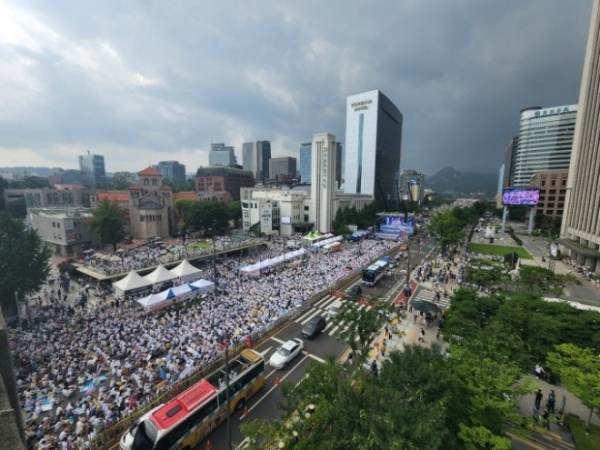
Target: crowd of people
80,370
148,256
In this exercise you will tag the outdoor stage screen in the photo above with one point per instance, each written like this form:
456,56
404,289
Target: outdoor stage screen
395,224
526,197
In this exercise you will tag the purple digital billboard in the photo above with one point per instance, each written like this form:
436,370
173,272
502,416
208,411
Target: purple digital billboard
526,197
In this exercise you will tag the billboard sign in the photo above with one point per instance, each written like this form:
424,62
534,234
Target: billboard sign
266,218
517,196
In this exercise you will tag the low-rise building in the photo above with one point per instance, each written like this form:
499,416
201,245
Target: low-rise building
64,229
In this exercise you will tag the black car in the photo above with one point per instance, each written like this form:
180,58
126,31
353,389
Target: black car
354,291
314,327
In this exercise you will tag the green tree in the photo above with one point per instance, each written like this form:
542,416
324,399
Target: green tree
337,407
31,182
447,228
234,211
579,369
17,208
107,222
23,262
357,325
3,185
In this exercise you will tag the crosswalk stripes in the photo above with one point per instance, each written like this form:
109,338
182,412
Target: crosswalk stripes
429,295
322,307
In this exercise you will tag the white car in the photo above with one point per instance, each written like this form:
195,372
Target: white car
285,353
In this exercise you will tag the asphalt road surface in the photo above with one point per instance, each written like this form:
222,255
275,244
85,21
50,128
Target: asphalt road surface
264,405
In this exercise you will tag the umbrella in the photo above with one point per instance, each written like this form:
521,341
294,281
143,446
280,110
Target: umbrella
425,306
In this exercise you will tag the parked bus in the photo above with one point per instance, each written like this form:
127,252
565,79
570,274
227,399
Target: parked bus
187,419
375,272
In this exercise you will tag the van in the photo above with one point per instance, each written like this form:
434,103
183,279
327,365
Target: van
334,309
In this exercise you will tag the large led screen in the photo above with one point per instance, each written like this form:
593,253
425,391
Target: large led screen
527,197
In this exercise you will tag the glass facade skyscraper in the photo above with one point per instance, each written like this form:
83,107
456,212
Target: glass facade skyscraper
93,167
305,162
545,141
373,146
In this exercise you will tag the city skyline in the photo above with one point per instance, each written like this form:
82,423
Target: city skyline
77,80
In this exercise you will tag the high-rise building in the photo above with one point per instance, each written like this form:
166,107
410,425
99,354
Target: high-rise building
93,166
580,232
255,158
305,162
373,145
545,141
339,158
171,170
509,162
323,185
283,168
222,155
412,186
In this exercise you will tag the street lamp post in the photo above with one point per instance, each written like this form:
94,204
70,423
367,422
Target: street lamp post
228,396
17,307
214,253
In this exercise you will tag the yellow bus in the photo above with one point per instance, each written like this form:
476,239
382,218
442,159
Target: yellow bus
186,420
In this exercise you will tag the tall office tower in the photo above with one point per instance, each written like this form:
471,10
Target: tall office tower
323,185
373,142
509,161
412,186
545,141
171,170
255,157
283,168
580,232
93,166
305,162
339,158
221,155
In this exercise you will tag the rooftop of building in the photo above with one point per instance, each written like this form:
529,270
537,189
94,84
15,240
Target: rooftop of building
61,212
150,172
113,196
190,195
221,170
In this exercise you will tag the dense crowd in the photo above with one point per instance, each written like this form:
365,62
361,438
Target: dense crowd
80,370
145,256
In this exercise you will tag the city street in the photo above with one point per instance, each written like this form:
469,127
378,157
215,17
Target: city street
264,404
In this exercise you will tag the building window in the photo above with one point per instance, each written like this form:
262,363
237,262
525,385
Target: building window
154,182
146,182
553,183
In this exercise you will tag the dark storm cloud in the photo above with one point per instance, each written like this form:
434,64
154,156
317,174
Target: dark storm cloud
150,80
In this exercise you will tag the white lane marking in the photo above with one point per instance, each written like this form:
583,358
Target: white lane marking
305,321
315,357
273,388
264,352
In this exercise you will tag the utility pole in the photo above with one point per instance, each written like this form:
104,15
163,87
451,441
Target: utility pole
228,396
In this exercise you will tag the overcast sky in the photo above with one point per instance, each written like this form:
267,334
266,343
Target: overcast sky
140,81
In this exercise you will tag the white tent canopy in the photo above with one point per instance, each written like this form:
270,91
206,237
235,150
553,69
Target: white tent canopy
185,271
203,286
159,275
288,256
157,301
327,241
131,282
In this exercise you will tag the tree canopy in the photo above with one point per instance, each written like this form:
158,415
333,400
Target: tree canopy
579,369
107,222
447,228
203,214
23,262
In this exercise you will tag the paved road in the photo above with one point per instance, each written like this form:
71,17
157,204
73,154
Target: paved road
264,405
588,292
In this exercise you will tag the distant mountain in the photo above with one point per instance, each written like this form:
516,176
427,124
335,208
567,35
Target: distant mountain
37,171
451,180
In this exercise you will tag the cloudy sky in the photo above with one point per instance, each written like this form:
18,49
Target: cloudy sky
141,81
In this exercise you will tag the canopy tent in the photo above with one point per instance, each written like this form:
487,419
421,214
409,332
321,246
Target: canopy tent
288,256
160,275
327,241
157,301
185,272
203,286
313,236
131,282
